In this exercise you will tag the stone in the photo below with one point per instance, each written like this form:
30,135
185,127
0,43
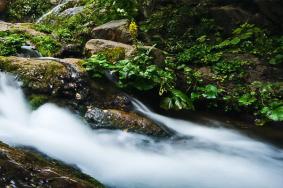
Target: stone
126,121
20,168
117,30
95,46
50,76
229,17
24,27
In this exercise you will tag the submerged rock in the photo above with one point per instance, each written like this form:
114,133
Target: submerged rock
126,121
19,168
117,30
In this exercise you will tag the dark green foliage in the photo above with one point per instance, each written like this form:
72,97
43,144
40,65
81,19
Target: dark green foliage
27,9
76,28
137,72
274,111
140,73
46,45
177,101
37,100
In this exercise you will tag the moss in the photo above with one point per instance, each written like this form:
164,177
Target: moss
46,45
114,54
5,65
37,100
43,76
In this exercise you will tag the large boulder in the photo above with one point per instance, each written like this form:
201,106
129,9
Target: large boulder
95,46
117,30
19,168
126,121
65,82
50,76
228,17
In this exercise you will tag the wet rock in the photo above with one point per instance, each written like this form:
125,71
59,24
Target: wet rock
29,51
19,168
100,45
117,30
50,76
71,50
126,121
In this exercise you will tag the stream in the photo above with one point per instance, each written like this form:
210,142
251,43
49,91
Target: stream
196,157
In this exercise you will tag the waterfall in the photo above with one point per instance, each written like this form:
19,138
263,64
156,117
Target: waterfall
57,9
198,157
29,51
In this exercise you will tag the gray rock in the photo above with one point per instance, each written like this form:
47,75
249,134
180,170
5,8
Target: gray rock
117,30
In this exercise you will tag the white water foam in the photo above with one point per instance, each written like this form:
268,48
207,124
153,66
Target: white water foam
201,158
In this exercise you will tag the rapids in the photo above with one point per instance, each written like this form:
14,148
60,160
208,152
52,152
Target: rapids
197,157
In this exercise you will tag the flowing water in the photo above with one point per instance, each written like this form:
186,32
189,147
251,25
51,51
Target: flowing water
197,157
55,10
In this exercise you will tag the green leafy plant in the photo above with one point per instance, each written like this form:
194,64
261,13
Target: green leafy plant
274,111
10,43
247,99
210,91
177,100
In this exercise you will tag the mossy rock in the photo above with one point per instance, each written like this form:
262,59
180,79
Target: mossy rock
21,168
52,77
14,36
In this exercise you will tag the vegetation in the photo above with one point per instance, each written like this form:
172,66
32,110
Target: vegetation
226,88
37,100
27,9
11,42
205,67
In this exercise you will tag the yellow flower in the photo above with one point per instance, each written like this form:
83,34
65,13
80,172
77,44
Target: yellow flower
133,29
